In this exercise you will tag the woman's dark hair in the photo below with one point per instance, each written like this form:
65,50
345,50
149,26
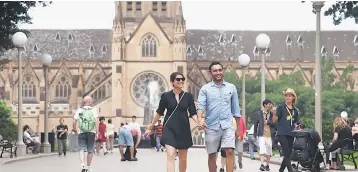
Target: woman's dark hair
122,124
174,75
109,121
25,128
101,118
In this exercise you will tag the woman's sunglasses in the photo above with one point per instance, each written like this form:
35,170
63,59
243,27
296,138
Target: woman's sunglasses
180,79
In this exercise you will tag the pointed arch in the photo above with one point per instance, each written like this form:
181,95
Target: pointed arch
149,44
62,90
101,92
29,88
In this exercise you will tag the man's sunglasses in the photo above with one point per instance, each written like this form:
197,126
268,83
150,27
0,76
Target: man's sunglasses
180,79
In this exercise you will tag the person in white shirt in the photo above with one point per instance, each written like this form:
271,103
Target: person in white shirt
30,141
252,141
125,139
110,133
86,120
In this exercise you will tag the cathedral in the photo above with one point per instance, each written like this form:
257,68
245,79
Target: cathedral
125,69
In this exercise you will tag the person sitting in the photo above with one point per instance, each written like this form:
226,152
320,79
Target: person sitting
355,131
342,131
31,141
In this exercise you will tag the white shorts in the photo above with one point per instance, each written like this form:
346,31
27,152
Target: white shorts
265,144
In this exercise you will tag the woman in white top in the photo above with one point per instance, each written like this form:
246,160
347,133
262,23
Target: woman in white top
31,141
110,133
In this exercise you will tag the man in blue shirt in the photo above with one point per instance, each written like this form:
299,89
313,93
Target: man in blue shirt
220,103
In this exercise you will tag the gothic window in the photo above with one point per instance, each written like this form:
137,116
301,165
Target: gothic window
28,88
149,47
63,88
102,91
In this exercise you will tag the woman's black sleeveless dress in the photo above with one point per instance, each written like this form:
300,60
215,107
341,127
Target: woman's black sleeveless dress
176,130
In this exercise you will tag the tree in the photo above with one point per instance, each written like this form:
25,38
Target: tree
335,96
342,10
7,126
13,13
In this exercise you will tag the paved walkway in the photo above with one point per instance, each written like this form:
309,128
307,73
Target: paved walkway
148,161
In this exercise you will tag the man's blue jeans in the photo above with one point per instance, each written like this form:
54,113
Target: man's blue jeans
157,138
252,142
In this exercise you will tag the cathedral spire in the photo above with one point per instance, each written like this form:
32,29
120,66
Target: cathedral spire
179,19
118,19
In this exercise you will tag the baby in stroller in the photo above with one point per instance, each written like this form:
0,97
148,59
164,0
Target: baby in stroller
306,151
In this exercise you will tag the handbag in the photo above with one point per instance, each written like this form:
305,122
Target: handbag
174,110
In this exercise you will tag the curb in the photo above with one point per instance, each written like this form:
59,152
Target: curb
25,158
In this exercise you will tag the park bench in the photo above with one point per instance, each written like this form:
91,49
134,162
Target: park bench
349,152
8,146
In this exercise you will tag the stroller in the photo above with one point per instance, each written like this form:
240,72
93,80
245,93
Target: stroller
306,151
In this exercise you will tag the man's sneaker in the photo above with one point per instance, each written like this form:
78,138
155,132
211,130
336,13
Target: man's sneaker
221,170
133,159
240,165
262,167
267,168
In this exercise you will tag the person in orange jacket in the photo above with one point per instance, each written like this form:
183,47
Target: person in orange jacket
239,143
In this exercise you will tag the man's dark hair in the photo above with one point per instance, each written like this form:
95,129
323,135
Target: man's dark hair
109,121
265,102
134,117
215,63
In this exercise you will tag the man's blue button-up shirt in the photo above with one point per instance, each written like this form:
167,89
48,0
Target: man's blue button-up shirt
220,104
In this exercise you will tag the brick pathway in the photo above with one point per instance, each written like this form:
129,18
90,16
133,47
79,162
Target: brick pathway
148,161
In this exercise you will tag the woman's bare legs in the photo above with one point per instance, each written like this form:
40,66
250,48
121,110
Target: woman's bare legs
182,153
171,154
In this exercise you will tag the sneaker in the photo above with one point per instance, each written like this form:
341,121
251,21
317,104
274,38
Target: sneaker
240,165
267,168
105,153
262,167
221,170
133,159
235,167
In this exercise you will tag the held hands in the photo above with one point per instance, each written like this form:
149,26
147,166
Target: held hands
201,124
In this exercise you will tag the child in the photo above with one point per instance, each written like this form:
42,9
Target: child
239,143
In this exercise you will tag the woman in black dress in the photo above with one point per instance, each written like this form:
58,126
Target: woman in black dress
176,126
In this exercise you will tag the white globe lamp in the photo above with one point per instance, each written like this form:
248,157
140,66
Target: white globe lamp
46,59
262,41
19,39
244,59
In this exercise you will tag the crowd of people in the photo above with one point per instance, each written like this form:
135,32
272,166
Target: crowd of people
217,112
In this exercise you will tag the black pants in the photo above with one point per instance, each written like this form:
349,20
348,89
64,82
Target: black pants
286,145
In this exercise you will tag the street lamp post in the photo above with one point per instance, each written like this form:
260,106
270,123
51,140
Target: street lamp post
317,5
262,42
46,60
19,39
244,61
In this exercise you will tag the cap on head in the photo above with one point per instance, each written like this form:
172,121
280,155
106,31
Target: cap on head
344,115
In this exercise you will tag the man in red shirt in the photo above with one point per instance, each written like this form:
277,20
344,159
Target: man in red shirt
158,135
101,137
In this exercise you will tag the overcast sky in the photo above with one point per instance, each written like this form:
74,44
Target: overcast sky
219,15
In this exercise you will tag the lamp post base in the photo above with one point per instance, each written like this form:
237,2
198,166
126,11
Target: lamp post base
20,149
46,147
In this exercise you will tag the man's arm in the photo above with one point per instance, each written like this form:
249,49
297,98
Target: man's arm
75,120
139,136
235,107
202,100
256,123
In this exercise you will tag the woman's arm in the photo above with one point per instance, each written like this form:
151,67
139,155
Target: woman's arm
192,108
159,112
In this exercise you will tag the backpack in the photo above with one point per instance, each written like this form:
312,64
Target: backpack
87,121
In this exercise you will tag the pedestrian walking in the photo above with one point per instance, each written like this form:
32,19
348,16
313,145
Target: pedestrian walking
61,131
86,125
176,127
219,100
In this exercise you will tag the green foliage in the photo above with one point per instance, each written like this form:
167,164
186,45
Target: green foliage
7,126
335,97
342,10
13,13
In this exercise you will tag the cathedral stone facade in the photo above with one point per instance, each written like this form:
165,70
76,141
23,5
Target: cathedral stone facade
127,68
